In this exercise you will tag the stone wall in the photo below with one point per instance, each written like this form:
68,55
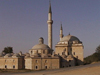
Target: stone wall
60,49
42,63
77,52
10,63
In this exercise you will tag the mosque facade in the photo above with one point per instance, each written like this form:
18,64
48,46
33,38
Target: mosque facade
68,52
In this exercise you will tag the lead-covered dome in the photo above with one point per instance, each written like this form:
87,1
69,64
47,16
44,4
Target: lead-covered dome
16,54
69,38
40,46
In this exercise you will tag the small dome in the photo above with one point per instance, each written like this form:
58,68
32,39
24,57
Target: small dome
17,55
40,46
8,55
70,38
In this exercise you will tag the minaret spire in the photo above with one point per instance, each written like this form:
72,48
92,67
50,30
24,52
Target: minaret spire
50,11
61,32
61,26
50,22
69,33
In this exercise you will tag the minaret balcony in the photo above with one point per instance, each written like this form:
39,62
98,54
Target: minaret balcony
50,21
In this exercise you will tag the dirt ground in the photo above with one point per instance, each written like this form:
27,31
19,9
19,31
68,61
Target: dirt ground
82,71
92,69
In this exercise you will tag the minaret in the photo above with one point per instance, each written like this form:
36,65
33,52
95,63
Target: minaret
61,32
50,22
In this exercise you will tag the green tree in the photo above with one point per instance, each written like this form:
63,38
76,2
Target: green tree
8,50
98,49
95,57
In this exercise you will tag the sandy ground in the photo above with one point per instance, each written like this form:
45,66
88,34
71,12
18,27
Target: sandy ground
92,69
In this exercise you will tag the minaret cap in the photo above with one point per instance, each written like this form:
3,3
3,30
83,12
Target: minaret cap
50,7
61,27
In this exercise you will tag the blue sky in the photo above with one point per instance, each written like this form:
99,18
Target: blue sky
22,22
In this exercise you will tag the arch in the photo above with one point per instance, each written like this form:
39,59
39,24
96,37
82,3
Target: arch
46,67
13,66
36,67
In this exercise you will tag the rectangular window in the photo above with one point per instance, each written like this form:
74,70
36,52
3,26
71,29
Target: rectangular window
13,66
45,67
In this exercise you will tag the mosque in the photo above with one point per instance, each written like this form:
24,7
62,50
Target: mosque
68,52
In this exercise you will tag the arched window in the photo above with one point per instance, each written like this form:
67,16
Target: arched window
31,52
73,53
45,67
5,66
36,67
13,66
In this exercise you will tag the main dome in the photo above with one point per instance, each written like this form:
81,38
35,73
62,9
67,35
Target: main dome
69,38
41,46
